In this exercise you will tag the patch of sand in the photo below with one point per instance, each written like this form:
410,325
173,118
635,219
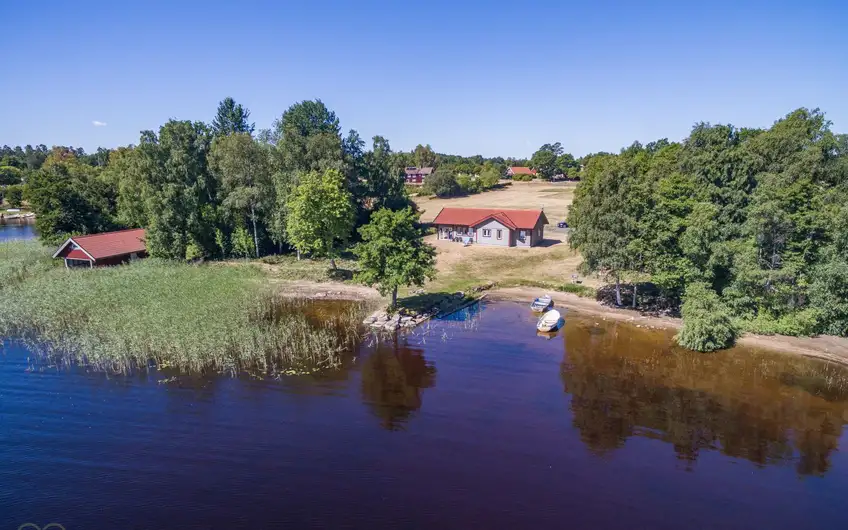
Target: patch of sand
828,348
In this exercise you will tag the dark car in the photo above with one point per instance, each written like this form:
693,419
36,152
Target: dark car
562,224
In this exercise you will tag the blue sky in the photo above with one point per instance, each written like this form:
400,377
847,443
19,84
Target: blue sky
483,77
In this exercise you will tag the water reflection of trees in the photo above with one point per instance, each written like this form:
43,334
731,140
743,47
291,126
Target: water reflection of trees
626,382
393,376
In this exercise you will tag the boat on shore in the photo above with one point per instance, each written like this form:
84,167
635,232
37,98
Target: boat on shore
541,304
550,321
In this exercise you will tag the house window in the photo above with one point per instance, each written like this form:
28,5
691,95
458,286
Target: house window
521,235
500,234
487,232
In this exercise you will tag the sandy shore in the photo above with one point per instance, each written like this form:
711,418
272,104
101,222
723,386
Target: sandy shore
327,290
834,349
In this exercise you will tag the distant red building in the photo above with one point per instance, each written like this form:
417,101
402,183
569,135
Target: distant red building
108,248
416,175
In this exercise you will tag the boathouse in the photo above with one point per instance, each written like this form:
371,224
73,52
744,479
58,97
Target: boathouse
488,226
108,248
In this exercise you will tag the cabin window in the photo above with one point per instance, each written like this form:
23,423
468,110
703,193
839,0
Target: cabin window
487,232
500,234
522,234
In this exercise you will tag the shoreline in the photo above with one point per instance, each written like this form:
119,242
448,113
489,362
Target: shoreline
827,348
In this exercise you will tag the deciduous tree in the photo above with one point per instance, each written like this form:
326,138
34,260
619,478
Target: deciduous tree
392,252
320,214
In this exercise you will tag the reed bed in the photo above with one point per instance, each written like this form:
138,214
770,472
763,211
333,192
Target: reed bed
193,319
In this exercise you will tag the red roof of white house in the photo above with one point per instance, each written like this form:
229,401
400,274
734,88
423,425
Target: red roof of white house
521,170
515,219
105,245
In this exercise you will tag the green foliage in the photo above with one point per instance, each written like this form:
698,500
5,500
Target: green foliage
309,138
546,160
423,156
243,168
384,181
392,252
69,198
442,183
14,195
756,214
231,118
469,184
490,177
242,243
707,324
178,190
523,177
10,175
801,323
320,214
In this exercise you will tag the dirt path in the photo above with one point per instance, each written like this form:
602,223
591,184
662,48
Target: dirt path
833,349
328,290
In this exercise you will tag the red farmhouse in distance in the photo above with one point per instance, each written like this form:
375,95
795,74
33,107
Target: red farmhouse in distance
108,248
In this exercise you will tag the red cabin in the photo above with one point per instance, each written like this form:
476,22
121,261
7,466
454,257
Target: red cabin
108,248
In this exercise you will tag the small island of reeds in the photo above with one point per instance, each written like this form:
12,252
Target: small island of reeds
192,318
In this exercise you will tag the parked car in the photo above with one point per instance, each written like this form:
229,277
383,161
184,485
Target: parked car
562,224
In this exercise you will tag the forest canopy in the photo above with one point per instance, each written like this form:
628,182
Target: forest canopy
755,220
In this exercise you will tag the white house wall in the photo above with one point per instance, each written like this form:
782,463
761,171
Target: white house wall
493,225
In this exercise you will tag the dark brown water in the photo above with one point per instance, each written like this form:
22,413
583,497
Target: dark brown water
475,423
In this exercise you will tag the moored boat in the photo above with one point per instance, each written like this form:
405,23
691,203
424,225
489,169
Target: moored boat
550,321
543,303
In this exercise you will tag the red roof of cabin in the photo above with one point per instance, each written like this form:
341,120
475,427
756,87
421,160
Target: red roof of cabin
77,254
515,219
105,245
521,170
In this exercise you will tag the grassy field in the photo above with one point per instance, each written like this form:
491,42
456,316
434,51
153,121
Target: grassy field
548,266
187,317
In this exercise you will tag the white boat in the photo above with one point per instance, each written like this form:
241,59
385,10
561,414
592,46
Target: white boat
550,321
543,303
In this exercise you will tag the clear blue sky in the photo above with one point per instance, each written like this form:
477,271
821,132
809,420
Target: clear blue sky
489,77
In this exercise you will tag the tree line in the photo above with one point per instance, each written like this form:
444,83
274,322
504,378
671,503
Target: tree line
748,228
224,190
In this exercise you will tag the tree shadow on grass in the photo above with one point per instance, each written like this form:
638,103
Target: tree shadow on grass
545,243
340,275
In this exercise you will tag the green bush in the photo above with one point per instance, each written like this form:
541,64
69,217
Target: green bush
522,178
469,183
829,295
799,324
15,195
442,183
707,324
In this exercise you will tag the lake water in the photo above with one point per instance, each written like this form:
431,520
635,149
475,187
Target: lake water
475,422
14,229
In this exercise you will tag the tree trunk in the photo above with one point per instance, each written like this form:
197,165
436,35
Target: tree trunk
634,295
255,235
617,291
333,263
298,254
394,297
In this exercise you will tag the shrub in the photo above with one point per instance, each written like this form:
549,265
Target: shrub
707,325
829,295
469,183
798,324
442,183
522,178
15,195
489,178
